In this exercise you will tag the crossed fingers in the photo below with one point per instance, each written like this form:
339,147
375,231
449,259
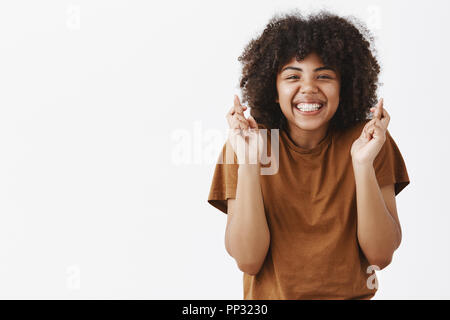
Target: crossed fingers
381,117
235,116
380,121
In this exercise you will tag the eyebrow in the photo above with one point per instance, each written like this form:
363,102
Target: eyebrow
317,69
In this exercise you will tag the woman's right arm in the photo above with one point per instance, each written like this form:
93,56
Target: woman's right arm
247,236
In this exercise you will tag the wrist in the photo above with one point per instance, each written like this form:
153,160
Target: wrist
361,167
249,168
362,163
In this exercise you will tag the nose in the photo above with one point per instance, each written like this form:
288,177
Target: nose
308,86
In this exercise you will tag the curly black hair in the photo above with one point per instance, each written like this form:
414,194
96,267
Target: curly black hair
342,43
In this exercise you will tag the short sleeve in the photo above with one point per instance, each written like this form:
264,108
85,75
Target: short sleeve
390,167
224,181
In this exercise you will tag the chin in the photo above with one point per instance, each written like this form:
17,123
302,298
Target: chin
309,125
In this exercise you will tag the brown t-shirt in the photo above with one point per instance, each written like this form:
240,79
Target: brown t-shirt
310,206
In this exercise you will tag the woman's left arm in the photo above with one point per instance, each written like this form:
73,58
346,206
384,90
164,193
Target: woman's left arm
378,227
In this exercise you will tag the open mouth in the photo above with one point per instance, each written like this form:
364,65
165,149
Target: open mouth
309,108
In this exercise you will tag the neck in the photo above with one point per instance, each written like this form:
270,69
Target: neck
307,139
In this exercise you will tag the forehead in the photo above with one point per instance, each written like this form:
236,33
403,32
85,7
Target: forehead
311,59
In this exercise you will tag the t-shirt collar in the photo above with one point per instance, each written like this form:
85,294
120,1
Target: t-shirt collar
322,144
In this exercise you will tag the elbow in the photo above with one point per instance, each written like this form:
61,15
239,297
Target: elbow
380,263
228,249
250,268
399,240
380,258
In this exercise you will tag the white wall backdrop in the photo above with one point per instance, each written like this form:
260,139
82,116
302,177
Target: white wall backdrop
112,114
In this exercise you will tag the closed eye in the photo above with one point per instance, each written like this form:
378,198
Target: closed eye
320,77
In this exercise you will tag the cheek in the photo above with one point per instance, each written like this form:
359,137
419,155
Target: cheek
332,93
285,92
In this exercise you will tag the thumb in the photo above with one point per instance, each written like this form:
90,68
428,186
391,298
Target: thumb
364,135
252,122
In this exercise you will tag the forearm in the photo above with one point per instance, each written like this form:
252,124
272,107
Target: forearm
248,235
378,233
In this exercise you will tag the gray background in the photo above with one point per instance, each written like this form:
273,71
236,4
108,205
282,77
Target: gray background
112,114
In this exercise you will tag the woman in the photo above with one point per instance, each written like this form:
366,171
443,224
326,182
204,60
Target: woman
320,225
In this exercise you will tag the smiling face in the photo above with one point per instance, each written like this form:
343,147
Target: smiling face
305,86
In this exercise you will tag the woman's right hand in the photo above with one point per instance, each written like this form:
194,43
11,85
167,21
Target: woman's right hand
244,134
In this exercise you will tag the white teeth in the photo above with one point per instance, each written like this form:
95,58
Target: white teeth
308,106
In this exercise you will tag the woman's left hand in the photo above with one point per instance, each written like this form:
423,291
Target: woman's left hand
365,149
